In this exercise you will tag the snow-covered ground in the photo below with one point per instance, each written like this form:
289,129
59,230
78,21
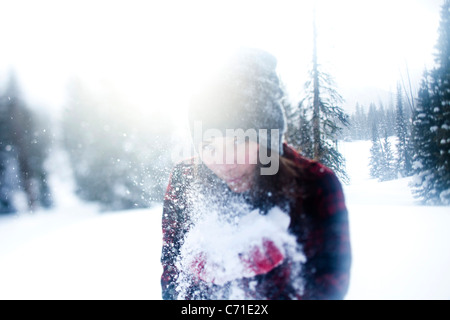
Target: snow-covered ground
400,250
99,256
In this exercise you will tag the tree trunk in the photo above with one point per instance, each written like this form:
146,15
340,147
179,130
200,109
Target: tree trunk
316,102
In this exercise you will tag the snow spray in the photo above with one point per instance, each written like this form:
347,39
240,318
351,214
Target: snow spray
229,243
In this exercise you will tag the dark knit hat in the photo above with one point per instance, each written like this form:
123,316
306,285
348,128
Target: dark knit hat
245,94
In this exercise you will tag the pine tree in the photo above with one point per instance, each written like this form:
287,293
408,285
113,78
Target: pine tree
390,120
323,105
425,147
26,144
381,115
306,142
442,104
376,163
431,126
298,133
389,171
294,127
404,158
356,128
373,117
357,123
7,159
360,123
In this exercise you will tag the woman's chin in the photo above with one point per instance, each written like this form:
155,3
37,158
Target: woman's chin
241,187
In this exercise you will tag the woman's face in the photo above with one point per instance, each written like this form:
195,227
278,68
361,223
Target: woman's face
231,160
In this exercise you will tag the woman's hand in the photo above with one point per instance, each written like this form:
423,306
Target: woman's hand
259,259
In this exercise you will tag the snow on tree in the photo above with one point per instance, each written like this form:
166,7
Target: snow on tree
382,162
431,126
442,104
425,148
376,162
404,157
361,123
389,171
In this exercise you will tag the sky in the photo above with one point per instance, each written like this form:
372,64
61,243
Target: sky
158,52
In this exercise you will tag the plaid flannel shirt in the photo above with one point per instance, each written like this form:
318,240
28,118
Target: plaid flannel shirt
320,226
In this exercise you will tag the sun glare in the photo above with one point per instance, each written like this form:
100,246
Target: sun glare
157,53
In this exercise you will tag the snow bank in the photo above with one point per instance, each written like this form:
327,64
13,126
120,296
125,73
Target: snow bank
401,250
103,256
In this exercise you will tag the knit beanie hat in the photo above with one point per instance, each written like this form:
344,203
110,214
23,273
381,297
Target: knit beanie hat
245,94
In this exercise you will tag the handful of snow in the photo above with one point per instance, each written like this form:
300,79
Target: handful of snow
217,250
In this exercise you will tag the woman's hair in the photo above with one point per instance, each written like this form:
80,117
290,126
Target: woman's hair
281,188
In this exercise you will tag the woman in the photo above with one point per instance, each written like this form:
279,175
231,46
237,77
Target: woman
250,218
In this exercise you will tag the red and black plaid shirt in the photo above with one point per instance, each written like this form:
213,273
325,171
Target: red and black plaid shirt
319,222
